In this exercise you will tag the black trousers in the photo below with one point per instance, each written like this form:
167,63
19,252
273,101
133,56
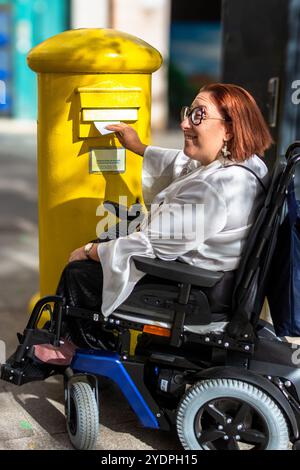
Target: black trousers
81,286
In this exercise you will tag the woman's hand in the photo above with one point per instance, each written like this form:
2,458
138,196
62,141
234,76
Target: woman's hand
79,254
128,137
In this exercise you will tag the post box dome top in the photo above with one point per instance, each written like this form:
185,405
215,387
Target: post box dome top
94,51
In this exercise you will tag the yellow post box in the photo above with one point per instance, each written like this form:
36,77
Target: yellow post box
86,76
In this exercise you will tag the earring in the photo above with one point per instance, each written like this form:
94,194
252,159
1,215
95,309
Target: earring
225,150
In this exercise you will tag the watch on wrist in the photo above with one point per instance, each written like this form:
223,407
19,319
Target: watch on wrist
88,248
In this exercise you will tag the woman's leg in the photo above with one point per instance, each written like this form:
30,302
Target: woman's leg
81,286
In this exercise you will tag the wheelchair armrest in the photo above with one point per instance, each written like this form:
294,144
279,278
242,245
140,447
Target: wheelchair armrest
177,271
123,212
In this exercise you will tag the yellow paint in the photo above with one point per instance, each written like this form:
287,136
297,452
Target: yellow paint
134,334
45,316
80,74
33,301
94,51
102,97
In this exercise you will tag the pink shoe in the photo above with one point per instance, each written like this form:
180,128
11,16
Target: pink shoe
59,355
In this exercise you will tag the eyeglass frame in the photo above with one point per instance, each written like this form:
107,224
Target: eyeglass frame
189,114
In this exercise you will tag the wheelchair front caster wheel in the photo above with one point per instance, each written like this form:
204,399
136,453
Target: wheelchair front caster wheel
82,416
228,414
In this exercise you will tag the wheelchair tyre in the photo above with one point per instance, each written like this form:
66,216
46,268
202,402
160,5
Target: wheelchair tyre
82,416
228,414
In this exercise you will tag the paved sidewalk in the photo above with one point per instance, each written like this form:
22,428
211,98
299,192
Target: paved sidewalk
32,416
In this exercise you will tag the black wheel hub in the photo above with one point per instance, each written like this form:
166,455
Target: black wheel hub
230,424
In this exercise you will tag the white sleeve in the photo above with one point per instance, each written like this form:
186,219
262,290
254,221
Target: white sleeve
198,203
119,272
197,213
158,171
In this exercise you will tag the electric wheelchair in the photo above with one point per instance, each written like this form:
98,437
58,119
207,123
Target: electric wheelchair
203,360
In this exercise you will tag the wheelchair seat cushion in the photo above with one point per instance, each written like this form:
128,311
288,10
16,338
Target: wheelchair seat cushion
166,291
153,300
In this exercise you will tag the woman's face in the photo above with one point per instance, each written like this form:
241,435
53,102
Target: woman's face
205,141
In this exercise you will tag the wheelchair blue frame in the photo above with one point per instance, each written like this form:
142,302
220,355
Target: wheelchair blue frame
108,364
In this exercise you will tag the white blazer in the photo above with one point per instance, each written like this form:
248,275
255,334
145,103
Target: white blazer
227,198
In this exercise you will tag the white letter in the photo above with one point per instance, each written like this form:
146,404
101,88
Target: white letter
106,221
295,355
296,94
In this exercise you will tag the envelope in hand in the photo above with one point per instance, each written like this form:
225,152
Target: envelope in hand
100,126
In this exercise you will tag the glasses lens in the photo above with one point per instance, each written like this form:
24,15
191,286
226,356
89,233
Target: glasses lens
197,116
184,113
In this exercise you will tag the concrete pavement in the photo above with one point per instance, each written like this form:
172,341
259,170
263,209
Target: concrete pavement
32,416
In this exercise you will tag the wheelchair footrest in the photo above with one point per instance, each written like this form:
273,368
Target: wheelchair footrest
22,367
29,371
29,338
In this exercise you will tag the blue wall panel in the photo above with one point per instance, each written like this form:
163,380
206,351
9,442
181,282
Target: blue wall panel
32,21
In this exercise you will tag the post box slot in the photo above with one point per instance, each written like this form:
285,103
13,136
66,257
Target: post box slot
106,104
111,114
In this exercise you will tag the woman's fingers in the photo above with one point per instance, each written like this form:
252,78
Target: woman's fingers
127,137
117,127
77,255
121,130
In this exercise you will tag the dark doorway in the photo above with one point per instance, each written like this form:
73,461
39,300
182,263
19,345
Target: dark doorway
261,52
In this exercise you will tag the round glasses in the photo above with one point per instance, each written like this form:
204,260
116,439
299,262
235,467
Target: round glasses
197,115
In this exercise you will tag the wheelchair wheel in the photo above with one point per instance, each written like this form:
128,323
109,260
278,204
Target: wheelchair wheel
228,414
82,416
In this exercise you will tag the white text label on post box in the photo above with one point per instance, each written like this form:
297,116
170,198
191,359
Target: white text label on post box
107,159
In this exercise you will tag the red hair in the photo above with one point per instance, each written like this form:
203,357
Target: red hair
250,132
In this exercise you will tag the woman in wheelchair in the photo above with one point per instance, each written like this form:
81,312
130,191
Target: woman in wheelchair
190,281
202,199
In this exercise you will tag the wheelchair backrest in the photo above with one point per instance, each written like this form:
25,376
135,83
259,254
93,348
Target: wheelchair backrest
249,292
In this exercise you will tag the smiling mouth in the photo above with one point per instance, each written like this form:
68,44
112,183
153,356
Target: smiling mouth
190,137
